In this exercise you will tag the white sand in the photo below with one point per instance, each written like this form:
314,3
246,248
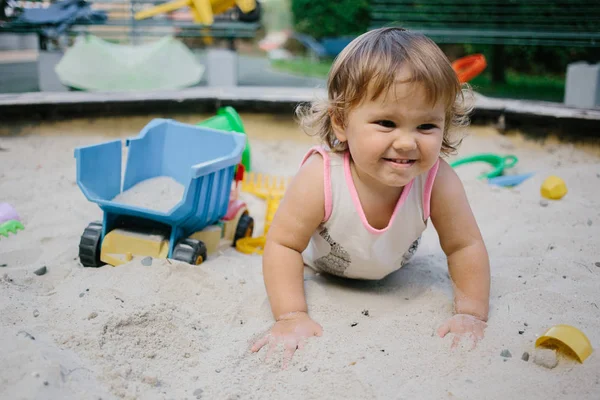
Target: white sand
172,331
161,194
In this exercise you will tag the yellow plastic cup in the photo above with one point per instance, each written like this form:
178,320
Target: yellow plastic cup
567,339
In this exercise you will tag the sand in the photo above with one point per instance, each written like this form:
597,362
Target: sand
173,331
161,194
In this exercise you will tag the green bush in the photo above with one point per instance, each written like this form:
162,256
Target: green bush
321,19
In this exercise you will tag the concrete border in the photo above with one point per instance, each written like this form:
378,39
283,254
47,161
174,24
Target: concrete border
537,118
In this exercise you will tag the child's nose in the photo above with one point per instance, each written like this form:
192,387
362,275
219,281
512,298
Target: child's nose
405,141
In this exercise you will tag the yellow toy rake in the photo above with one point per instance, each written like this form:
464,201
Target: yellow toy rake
271,189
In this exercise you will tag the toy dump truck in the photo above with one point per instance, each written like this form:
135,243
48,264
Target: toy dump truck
209,215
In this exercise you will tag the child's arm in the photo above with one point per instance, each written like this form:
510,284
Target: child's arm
461,240
297,218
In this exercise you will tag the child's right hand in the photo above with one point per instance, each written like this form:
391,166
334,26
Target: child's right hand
291,330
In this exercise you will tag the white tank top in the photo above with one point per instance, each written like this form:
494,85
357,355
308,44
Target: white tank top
345,244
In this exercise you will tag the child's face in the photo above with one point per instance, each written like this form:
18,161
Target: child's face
396,137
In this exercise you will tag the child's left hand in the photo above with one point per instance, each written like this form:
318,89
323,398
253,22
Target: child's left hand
463,325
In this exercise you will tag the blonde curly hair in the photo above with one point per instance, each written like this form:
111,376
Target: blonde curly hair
369,65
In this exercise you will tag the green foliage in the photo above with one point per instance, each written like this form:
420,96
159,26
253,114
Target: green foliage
321,19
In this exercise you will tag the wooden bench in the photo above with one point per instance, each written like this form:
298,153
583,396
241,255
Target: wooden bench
531,22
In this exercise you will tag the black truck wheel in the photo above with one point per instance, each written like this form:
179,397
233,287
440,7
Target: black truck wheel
244,228
190,251
89,245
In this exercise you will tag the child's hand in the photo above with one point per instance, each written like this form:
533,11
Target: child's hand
292,331
463,325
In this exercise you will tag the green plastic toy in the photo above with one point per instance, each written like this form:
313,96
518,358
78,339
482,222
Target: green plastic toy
227,119
11,226
499,163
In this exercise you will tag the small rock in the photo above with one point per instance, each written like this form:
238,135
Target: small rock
468,381
354,324
81,294
36,313
198,393
3,265
242,281
365,313
564,277
35,374
187,355
525,323
545,358
589,222
303,369
597,264
525,356
218,371
146,261
383,350
150,380
46,383
41,271
93,315
505,353
544,203
521,332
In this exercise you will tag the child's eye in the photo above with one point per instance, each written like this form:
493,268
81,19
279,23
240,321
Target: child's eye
426,127
386,123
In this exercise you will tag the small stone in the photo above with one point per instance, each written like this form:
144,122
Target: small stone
93,315
46,383
545,358
41,271
525,323
81,294
35,374
365,313
383,350
525,356
146,261
187,355
218,371
242,281
589,222
564,277
468,381
597,264
150,380
3,265
544,203
303,369
505,353
198,393
354,324
36,313
521,332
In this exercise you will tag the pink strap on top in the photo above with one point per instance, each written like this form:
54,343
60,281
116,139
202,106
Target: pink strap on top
327,177
428,189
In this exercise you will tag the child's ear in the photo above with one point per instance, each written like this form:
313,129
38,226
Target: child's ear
337,124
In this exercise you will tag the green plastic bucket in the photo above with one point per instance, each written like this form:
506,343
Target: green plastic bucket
227,119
